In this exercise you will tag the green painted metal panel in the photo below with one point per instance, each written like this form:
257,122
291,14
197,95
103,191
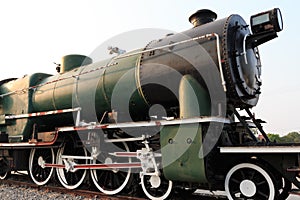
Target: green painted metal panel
42,98
18,103
97,88
194,99
70,62
180,153
181,144
121,85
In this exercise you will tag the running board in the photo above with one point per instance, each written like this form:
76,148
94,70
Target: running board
158,123
27,145
260,149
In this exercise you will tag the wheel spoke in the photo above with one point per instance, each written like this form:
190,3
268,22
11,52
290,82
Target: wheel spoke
242,174
235,191
261,183
252,174
262,194
235,180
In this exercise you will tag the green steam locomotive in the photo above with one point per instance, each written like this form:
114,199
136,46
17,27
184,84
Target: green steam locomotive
161,119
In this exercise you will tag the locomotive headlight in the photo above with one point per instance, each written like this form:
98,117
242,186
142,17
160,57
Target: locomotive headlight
267,21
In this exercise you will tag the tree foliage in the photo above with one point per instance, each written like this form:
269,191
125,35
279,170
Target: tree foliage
292,137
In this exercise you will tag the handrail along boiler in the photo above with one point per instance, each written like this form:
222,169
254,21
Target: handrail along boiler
164,116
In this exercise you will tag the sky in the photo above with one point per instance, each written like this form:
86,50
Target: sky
35,33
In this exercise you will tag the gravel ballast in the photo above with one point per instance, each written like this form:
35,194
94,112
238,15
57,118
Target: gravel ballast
9,192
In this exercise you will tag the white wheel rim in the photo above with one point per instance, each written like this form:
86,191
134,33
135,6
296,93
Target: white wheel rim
31,157
111,192
250,191
61,174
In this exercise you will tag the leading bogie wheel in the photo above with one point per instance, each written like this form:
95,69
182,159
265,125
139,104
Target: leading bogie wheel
250,181
156,187
40,174
71,179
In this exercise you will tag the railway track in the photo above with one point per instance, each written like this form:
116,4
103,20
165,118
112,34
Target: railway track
21,180
90,194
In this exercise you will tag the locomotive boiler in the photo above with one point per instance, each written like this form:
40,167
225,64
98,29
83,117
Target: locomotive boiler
164,116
